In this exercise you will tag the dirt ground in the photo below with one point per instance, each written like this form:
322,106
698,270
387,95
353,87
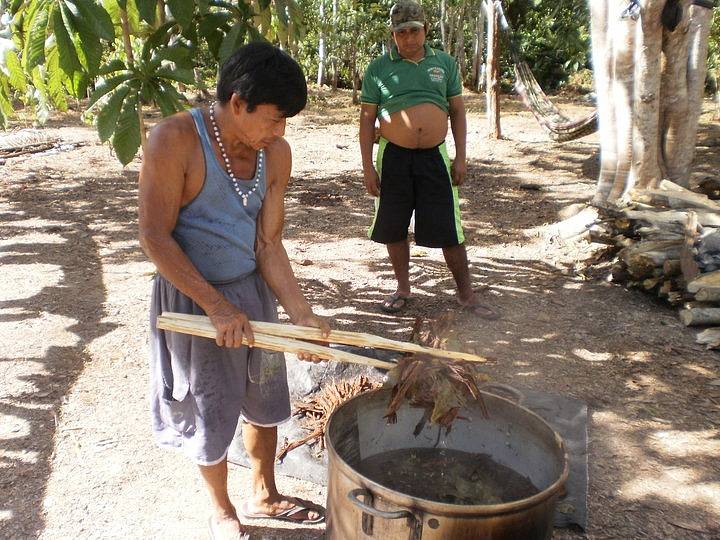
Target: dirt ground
76,455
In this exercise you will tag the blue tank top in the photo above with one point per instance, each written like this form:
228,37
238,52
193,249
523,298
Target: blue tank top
215,230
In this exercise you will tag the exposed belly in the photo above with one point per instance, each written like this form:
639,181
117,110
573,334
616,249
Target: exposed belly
420,126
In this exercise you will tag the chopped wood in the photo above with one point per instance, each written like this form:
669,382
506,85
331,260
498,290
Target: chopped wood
575,225
689,267
671,267
699,316
690,198
709,337
707,295
651,283
336,336
666,287
659,218
709,280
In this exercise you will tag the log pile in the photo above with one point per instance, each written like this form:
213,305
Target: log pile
667,242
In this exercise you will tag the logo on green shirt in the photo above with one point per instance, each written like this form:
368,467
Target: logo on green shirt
436,74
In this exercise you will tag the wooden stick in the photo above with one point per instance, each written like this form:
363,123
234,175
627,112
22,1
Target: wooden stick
274,343
336,336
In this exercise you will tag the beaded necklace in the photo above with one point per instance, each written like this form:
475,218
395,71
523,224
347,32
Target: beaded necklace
246,194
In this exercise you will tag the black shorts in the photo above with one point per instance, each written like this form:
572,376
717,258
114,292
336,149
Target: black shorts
419,180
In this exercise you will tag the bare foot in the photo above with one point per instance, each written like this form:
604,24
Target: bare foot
226,527
284,508
473,305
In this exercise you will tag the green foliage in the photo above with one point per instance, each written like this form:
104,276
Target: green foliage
554,36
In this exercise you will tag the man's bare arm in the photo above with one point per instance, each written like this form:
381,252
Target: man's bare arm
161,189
272,259
458,125
368,113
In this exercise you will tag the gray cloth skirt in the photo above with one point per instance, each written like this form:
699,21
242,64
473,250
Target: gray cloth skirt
199,391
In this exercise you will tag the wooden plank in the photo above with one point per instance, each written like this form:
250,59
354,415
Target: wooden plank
274,343
690,269
336,336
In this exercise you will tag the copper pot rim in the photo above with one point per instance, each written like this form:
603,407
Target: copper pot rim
441,508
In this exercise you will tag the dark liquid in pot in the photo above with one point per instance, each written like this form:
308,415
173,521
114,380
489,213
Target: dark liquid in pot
447,476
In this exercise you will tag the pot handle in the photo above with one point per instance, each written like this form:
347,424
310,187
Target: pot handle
354,498
515,394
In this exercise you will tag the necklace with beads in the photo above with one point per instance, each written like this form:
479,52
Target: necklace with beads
243,194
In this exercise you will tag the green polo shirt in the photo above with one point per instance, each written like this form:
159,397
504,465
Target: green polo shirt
394,83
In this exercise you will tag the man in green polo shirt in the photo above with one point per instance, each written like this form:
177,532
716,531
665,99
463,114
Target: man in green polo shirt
412,90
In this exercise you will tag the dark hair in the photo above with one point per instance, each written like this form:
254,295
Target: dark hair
263,74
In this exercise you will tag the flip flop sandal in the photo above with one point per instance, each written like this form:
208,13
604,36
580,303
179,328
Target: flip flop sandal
285,515
213,536
394,303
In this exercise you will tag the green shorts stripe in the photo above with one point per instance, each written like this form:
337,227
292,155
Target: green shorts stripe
456,198
378,167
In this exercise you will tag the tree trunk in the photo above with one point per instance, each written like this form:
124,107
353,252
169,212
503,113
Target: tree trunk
623,30
602,56
443,18
460,41
321,46
700,20
478,42
492,88
335,66
648,43
674,98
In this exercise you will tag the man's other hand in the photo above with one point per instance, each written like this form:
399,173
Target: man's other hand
314,321
231,325
372,182
458,172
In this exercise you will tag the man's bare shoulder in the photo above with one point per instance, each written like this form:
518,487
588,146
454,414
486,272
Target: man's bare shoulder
279,161
173,134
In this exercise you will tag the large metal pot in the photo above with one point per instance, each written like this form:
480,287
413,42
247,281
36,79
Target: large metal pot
360,509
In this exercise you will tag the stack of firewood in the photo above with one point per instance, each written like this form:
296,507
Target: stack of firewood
667,242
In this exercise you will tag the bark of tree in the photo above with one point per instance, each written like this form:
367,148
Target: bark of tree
335,66
674,97
698,37
321,46
649,82
443,20
648,42
602,58
478,42
492,87
460,41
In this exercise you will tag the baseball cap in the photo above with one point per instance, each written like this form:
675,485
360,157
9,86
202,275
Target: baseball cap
406,14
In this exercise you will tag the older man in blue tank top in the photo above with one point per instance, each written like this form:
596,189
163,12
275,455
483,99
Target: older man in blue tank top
212,185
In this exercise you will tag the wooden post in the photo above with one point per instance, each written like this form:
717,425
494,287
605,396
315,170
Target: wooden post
493,56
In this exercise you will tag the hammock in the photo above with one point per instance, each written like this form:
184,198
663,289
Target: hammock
558,126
